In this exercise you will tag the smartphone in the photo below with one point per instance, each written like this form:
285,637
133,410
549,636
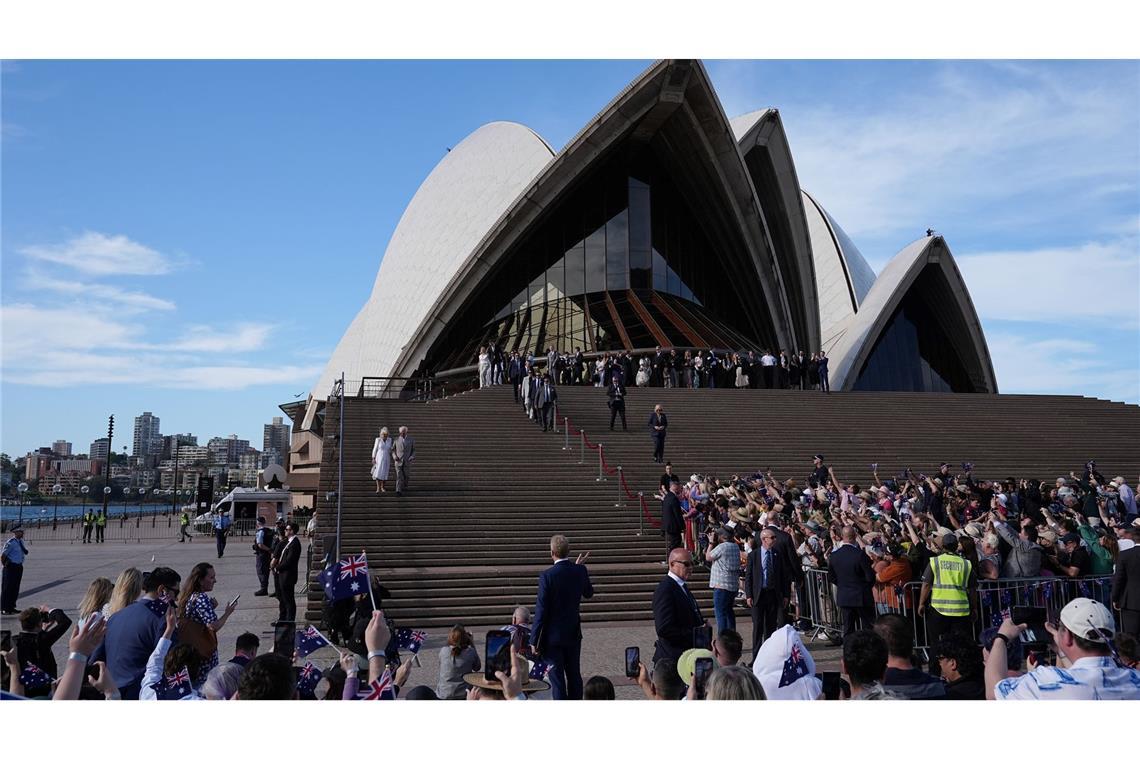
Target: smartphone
497,655
5,641
833,683
1031,616
701,669
284,638
702,637
632,662
234,601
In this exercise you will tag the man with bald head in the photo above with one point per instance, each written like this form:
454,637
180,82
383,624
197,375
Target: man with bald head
676,613
849,568
768,587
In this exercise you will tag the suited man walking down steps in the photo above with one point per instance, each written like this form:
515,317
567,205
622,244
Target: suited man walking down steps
557,631
403,454
849,568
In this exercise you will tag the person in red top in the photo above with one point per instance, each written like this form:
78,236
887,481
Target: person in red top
892,571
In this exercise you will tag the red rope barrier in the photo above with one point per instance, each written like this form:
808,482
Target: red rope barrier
608,470
629,494
653,523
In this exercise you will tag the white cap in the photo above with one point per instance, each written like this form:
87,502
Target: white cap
1088,619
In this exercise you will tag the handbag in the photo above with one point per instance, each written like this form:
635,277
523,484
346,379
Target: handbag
202,638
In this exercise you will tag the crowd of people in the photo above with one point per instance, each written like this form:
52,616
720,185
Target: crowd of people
663,368
900,561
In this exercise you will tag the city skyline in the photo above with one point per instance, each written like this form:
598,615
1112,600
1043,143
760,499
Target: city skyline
162,228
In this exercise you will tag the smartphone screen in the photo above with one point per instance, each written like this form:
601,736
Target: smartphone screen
632,662
701,670
1031,616
5,641
284,638
702,637
497,655
832,684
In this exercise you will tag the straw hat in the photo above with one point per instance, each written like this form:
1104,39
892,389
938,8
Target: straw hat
528,686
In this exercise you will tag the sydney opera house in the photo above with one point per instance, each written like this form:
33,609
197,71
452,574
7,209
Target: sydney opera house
662,222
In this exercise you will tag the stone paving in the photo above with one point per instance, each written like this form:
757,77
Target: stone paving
57,573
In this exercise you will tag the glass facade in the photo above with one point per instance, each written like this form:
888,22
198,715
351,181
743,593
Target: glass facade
620,263
914,354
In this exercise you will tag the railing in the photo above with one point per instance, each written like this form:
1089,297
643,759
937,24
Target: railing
995,599
133,529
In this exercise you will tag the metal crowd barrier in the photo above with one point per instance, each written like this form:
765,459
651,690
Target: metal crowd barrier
132,529
995,598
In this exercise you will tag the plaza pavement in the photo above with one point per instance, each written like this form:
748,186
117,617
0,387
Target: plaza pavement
57,573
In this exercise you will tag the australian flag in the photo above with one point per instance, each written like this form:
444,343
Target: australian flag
795,667
33,677
176,686
411,640
381,688
309,641
308,678
346,578
157,606
538,669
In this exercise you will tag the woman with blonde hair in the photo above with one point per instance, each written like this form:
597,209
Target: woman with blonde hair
96,599
381,459
128,589
733,682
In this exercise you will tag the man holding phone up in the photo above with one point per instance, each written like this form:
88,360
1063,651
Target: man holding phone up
557,632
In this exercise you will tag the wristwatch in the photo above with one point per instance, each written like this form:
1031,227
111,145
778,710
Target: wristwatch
1003,637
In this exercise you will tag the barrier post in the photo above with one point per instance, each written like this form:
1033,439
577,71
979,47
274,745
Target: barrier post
640,513
601,475
618,504
582,453
555,416
566,432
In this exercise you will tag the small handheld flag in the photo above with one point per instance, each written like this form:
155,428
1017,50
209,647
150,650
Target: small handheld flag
33,677
411,640
308,678
309,641
381,688
346,578
175,687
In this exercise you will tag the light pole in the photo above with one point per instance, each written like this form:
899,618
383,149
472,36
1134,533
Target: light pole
56,490
85,490
23,491
106,496
107,478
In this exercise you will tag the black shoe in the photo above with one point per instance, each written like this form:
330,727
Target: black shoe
263,592
273,595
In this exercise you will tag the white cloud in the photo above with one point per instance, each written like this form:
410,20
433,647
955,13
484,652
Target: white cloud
970,142
97,293
97,254
242,337
1094,283
1062,366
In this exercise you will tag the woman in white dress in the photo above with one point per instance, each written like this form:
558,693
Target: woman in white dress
484,367
643,373
381,459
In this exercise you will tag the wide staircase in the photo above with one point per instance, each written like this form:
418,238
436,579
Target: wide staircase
488,488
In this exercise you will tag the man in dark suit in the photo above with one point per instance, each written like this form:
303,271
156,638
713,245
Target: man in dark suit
557,631
515,373
672,519
286,569
547,397
768,587
657,424
616,392
675,611
1126,585
849,568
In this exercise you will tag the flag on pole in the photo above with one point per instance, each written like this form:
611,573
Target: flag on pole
381,688
309,641
308,678
346,578
411,640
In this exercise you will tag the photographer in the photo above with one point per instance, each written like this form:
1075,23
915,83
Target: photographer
723,557
1086,668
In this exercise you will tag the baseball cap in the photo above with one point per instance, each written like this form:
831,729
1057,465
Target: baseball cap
949,541
1088,619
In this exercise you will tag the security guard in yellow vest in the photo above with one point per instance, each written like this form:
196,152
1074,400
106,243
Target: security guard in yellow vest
949,601
88,525
100,526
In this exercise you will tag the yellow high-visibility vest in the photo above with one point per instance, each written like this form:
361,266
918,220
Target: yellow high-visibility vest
948,595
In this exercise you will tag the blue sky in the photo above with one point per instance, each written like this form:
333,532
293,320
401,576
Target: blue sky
192,238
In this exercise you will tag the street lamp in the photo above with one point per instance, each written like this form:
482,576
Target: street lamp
57,489
23,490
85,490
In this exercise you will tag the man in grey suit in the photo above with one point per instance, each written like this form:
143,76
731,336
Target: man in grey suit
403,454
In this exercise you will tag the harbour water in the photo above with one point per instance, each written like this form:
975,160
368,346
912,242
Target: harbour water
32,514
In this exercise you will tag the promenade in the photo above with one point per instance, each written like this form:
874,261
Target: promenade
58,573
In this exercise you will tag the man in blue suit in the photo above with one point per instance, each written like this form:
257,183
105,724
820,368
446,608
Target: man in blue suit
849,568
557,631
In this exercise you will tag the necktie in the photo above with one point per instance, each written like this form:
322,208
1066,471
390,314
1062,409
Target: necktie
767,568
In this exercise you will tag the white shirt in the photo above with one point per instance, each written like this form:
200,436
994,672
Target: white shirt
1086,679
677,578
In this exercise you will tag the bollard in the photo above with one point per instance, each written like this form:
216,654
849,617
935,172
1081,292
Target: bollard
566,431
618,504
601,475
640,513
582,453
555,416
